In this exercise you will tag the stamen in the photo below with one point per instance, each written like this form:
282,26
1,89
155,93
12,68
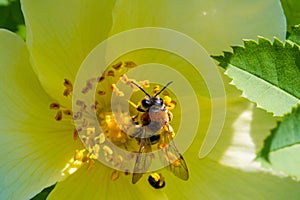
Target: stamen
108,150
54,106
69,87
112,126
116,90
90,130
58,116
67,83
101,138
114,175
85,90
77,115
111,73
67,112
170,104
78,155
101,92
130,64
100,79
165,93
85,158
156,89
117,66
75,134
81,104
91,164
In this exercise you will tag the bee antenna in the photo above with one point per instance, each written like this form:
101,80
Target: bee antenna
163,88
140,88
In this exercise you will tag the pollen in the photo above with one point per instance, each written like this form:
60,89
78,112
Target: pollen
170,104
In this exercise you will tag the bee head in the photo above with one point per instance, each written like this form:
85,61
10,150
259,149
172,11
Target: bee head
148,102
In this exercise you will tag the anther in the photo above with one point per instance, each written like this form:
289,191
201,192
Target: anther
155,89
117,66
77,115
165,93
54,106
81,104
75,134
100,92
101,78
114,175
111,73
90,130
69,87
58,116
130,64
67,112
67,83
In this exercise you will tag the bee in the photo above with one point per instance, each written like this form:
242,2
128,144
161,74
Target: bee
155,129
156,180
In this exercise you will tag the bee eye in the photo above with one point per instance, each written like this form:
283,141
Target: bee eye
146,103
159,102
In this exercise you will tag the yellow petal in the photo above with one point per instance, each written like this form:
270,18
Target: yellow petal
96,184
215,24
210,180
33,146
60,35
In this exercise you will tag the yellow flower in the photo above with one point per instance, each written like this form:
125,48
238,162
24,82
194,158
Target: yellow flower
38,143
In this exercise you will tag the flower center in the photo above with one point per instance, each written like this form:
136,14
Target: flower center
115,123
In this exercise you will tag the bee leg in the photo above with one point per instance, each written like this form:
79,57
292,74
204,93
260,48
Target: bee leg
140,109
170,130
170,116
135,119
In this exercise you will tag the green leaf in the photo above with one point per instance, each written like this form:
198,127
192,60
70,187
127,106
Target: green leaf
294,34
11,16
267,73
292,12
44,193
286,134
4,2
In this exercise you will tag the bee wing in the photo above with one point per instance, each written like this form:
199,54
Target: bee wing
143,159
171,157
